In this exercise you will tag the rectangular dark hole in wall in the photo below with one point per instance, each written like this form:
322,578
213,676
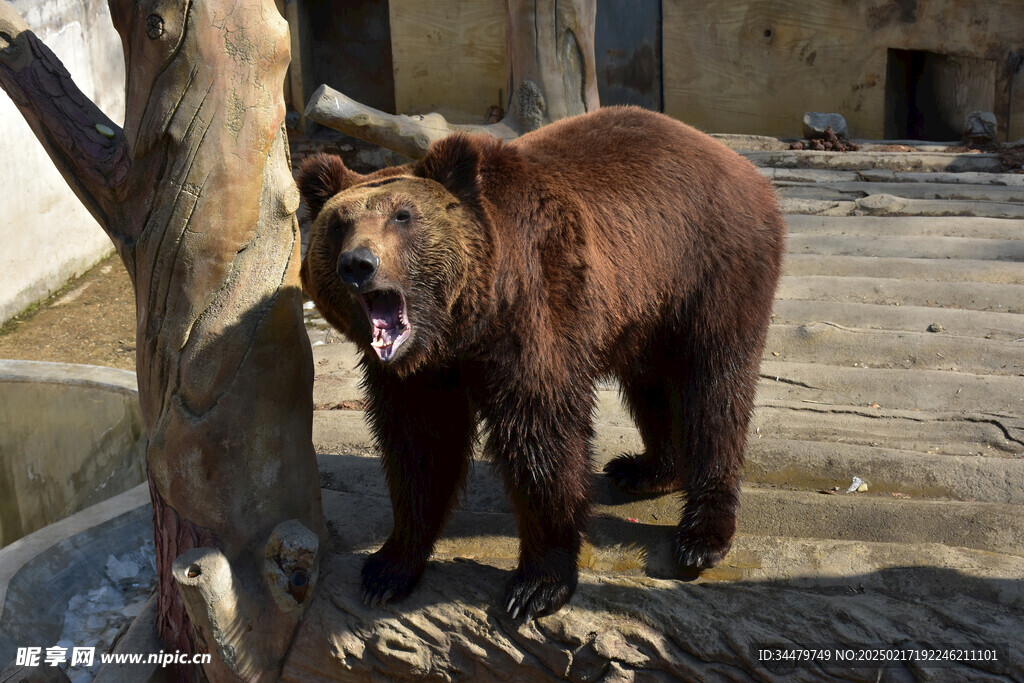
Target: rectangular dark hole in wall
350,50
928,95
627,43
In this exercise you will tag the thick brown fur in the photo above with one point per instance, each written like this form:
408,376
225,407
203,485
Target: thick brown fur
619,243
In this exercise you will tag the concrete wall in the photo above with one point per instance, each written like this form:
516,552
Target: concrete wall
738,66
70,436
46,233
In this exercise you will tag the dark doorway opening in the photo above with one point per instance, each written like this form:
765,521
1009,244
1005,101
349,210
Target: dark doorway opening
627,43
347,45
928,95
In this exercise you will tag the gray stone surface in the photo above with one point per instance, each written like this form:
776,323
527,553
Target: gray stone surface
633,617
914,161
834,344
898,246
909,190
883,175
749,142
816,122
892,291
33,674
980,127
811,262
891,205
1000,231
966,177
964,323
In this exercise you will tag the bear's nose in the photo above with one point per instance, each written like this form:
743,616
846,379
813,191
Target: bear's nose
357,267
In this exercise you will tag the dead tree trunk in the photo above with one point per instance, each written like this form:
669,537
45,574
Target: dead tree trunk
197,195
552,76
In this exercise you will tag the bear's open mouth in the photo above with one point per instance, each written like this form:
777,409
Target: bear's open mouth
389,321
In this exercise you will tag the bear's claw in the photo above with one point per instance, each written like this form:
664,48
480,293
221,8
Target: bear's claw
699,555
536,596
385,580
702,541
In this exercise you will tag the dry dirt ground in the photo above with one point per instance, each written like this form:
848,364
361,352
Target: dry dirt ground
91,321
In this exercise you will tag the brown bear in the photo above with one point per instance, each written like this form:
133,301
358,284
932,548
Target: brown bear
502,280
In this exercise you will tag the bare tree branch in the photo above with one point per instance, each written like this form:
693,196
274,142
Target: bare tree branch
86,146
408,135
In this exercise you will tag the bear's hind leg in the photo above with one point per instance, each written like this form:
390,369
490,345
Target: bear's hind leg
425,427
715,401
654,471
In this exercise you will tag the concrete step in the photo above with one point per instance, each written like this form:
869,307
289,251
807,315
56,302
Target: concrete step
975,296
908,226
889,205
951,431
830,343
915,247
820,465
994,527
893,161
788,431
931,269
744,142
924,390
946,432
933,190
882,175
965,470
841,433
1007,327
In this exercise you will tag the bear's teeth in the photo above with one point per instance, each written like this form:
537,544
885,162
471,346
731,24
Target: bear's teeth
382,338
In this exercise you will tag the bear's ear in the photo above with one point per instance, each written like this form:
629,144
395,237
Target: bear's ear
455,163
322,176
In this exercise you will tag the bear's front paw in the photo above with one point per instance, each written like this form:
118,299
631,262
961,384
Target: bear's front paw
534,594
387,579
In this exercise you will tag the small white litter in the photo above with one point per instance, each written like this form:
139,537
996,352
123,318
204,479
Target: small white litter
857,485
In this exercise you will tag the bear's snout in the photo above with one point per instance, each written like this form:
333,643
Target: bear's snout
357,267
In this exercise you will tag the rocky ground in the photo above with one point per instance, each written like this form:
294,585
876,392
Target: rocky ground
895,365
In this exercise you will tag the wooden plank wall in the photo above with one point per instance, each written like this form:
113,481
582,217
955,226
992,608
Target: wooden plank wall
448,57
736,66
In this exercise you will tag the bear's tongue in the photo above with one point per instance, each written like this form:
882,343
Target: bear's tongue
387,318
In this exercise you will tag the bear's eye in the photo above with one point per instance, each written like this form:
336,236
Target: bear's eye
402,216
